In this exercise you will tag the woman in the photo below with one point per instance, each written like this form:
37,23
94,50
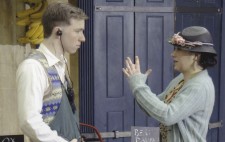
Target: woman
185,107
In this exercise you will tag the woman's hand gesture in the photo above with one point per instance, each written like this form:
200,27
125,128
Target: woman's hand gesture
132,69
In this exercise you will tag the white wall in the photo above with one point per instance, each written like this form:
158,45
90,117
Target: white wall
10,57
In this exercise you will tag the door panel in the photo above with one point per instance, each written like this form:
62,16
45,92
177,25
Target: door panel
154,3
152,32
114,41
199,3
114,2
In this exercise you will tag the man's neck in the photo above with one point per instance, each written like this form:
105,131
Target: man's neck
54,47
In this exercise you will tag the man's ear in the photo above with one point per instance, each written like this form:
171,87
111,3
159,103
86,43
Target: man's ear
57,31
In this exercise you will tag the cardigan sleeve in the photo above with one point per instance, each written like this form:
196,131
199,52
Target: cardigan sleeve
187,102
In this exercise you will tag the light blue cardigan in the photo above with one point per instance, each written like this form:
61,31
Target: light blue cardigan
187,116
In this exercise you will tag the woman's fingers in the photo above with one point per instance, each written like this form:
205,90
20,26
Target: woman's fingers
127,64
131,68
148,72
125,71
131,64
137,63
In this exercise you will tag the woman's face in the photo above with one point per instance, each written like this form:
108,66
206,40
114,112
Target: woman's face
183,60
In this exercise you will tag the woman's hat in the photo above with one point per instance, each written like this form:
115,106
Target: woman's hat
195,39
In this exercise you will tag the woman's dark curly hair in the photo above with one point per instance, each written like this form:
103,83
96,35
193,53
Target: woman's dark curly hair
207,60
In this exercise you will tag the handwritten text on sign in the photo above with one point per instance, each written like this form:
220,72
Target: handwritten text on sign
144,134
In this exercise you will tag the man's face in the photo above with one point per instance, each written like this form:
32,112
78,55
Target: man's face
73,36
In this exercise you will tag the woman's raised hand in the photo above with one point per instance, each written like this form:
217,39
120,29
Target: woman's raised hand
131,68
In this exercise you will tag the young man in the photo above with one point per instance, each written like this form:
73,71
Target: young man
45,98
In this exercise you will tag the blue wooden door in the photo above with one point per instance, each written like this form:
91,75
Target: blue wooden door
114,40
152,31
121,30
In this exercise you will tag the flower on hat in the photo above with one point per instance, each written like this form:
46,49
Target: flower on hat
179,40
